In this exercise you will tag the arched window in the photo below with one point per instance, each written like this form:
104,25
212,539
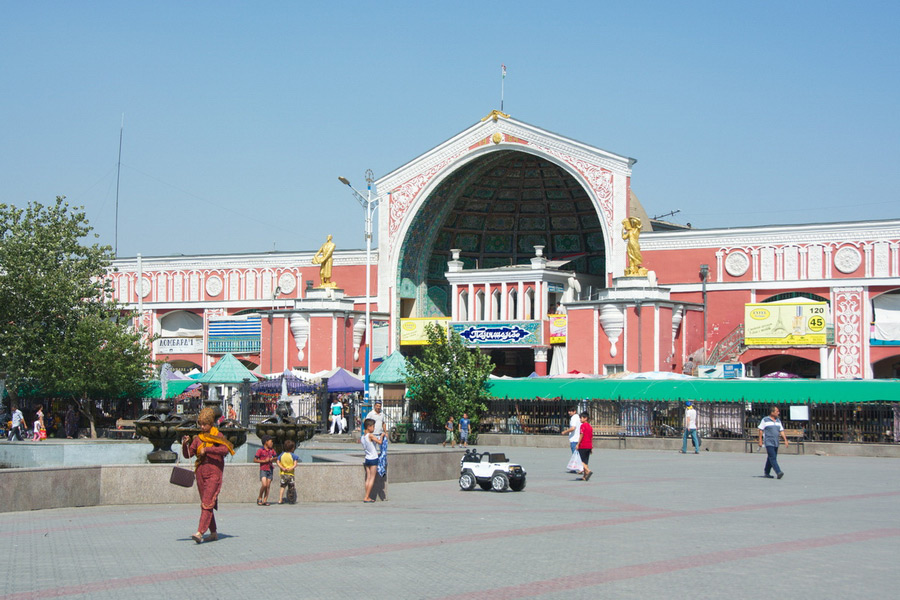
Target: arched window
479,306
529,304
495,306
513,305
463,306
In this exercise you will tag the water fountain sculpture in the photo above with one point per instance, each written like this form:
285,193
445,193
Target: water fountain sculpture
162,429
282,426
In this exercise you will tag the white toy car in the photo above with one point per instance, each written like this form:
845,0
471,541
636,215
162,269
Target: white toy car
490,471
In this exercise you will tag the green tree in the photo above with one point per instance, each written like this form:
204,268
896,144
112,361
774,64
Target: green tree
60,328
449,378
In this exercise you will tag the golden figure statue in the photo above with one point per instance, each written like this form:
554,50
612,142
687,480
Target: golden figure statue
325,258
631,232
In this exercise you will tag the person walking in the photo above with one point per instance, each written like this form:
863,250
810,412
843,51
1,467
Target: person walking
38,423
690,428
18,424
573,431
449,428
337,411
770,430
585,444
377,415
210,448
464,425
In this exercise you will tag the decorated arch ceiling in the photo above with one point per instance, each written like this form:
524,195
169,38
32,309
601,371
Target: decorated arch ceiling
496,209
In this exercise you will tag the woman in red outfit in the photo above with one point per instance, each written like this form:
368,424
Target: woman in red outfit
210,448
586,444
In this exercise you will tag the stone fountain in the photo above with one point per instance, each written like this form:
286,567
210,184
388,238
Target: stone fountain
231,430
282,426
162,429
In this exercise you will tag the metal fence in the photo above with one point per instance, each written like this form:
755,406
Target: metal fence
873,422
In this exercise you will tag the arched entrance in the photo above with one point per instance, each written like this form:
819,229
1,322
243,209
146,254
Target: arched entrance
788,364
496,209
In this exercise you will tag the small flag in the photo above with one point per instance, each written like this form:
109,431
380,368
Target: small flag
503,71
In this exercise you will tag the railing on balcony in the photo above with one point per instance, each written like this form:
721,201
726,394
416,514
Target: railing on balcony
730,346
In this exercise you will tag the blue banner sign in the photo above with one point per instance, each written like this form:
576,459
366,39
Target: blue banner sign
502,333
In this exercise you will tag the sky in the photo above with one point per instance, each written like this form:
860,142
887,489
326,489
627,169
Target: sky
240,116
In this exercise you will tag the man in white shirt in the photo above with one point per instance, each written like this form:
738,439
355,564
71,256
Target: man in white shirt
376,415
690,428
573,429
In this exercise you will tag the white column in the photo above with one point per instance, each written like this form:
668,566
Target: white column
334,330
488,302
656,337
471,307
538,303
454,303
520,301
504,302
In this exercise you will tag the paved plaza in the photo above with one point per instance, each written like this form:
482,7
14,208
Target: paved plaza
648,525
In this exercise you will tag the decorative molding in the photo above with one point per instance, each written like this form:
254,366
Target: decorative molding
847,259
359,328
612,319
849,331
287,282
214,285
737,263
300,329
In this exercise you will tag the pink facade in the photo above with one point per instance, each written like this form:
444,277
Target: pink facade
505,224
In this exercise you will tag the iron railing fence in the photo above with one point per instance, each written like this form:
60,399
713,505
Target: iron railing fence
871,422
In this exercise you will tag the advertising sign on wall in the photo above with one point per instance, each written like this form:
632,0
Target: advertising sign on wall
558,326
501,333
786,324
180,345
381,332
412,331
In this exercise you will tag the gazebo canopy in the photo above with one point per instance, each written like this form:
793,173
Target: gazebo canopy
342,381
294,385
392,370
227,370
174,387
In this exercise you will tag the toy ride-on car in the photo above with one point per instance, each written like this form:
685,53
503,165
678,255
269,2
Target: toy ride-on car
490,471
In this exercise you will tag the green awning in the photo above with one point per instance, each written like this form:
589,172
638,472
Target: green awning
175,387
795,391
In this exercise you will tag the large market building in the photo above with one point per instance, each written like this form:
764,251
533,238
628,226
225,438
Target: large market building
513,236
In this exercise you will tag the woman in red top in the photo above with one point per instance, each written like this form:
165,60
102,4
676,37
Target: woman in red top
210,448
585,445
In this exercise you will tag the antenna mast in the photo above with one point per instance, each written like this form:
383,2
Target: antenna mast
118,171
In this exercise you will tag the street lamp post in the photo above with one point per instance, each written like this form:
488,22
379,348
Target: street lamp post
369,204
704,275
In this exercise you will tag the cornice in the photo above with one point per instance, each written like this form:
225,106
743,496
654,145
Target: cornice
228,262
860,231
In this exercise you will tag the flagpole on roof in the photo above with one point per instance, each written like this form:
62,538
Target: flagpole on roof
502,81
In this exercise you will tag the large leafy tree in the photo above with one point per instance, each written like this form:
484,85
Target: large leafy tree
449,378
61,331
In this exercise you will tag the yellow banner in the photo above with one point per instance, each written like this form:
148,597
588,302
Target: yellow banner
412,331
785,324
558,328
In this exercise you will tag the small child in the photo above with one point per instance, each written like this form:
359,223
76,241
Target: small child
448,437
585,444
287,462
369,441
265,456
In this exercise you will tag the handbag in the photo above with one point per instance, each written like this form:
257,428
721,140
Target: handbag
575,462
182,477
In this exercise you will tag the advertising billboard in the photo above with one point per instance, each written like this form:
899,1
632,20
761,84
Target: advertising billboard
558,328
501,333
800,324
412,331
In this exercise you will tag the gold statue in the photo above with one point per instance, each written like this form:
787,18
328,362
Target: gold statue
325,258
631,231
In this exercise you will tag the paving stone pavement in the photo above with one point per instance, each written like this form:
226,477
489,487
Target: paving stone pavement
647,525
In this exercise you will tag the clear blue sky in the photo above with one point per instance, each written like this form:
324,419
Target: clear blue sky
239,116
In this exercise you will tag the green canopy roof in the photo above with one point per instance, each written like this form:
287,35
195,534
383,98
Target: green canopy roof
392,370
227,370
702,390
153,389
